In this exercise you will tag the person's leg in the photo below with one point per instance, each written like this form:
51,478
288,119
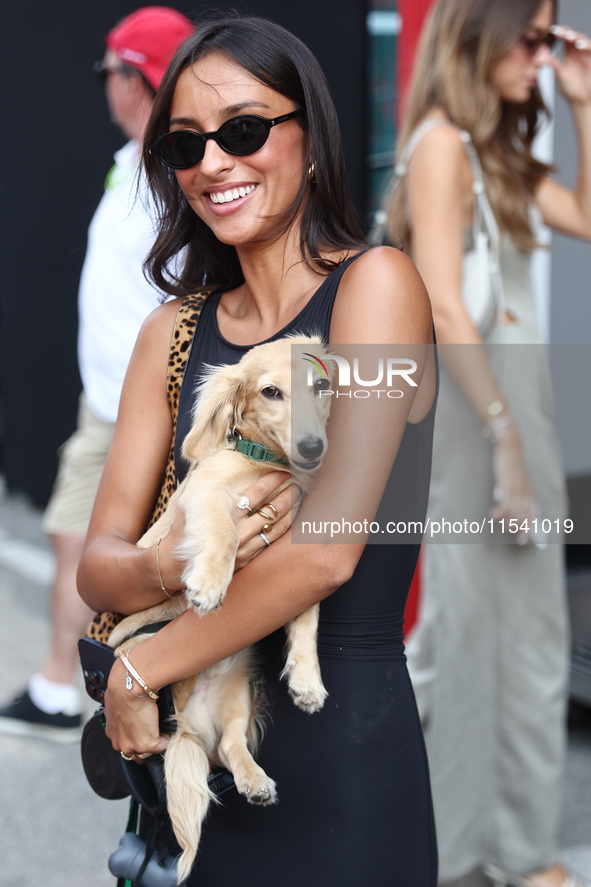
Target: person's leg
461,724
533,697
51,704
69,614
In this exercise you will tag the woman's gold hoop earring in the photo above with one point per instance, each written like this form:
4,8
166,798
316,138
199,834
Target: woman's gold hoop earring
312,173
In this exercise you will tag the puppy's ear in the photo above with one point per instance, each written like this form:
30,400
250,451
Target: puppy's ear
219,406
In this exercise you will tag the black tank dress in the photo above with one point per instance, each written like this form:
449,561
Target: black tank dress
353,785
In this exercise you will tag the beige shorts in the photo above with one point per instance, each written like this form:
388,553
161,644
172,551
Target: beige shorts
81,463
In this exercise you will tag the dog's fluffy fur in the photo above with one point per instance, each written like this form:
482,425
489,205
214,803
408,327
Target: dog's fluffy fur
216,714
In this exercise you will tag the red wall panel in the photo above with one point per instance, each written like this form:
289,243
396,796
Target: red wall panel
413,14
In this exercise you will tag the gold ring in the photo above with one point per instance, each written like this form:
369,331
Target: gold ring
265,515
266,527
273,509
125,758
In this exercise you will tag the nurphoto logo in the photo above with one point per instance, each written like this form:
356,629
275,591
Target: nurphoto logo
396,368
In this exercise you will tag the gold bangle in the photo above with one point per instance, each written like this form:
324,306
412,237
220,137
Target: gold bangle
130,670
162,585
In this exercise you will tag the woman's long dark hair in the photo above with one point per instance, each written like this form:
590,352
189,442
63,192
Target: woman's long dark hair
329,223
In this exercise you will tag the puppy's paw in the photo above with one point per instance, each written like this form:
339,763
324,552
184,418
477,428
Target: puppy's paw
304,686
204,602
309,699
258,789
206,586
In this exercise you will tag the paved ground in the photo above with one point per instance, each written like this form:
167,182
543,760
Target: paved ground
54,832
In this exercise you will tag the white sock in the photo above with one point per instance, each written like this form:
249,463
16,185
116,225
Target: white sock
52,697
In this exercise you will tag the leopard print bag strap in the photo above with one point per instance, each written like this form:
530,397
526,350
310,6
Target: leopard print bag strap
180,347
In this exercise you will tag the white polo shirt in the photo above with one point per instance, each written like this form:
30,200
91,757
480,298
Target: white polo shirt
114,296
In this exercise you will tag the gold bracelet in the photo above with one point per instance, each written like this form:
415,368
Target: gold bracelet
496,407
129,683
162,585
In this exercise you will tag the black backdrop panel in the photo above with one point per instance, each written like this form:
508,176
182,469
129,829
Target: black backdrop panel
55,150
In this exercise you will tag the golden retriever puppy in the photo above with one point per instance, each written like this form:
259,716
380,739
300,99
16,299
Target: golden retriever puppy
253,401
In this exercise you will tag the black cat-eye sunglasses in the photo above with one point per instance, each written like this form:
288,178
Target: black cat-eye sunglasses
242,135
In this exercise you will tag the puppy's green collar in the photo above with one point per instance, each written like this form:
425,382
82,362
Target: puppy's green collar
253,450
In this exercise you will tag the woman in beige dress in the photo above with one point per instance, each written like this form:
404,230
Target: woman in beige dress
489,656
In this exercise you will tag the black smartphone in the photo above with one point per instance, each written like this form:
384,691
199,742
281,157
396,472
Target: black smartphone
97,660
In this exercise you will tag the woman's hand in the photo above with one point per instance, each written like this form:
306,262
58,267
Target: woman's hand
512,483
131,723
564,209
249,524
573,73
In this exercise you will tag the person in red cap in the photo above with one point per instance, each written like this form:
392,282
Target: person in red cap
147,39
114,299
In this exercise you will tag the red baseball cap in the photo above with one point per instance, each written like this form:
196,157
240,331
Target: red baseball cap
148,38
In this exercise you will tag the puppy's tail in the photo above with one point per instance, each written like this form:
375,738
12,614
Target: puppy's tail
186,767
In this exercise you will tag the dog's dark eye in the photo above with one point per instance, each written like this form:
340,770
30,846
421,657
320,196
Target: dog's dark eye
322,385
271,391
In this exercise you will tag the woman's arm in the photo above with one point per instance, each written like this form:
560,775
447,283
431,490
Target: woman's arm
565,210
113,573
439,198
440,208
381,298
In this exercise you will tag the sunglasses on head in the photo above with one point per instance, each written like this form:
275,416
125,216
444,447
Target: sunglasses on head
242,135
104,73
534,44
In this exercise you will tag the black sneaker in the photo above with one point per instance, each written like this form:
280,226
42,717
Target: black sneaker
23,718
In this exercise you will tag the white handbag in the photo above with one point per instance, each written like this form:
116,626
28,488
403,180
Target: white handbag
482,286
477,286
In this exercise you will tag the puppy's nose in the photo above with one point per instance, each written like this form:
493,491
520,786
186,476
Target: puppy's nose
310,448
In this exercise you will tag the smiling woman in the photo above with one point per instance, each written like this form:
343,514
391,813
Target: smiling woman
243,153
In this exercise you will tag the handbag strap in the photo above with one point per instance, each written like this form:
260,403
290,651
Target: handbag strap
180,348
181,344
484,217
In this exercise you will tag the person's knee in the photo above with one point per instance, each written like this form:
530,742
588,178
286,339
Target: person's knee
67,550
